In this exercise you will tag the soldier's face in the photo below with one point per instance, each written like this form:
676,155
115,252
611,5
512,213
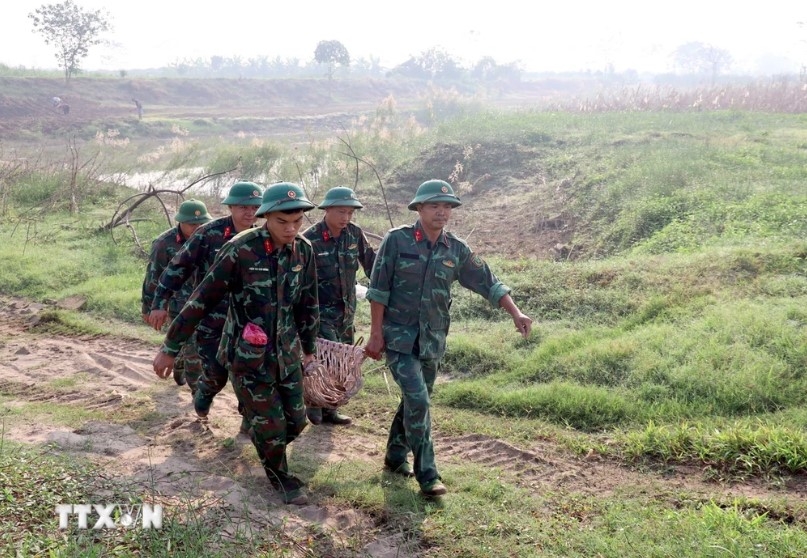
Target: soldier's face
337,218
283,227
243,216
188,229
434,216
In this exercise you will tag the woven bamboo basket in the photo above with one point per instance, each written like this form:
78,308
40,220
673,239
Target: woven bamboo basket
335,376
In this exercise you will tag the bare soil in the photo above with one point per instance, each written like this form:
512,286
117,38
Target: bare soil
174,455
509,207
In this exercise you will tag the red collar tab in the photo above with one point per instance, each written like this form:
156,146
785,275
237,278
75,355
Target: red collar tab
326,235
227,232
267,245
179,238
418,235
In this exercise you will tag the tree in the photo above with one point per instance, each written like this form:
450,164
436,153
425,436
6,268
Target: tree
331,53
488,71
434,63
72,30
700,58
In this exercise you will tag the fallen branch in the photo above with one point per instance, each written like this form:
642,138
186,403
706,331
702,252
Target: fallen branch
122,213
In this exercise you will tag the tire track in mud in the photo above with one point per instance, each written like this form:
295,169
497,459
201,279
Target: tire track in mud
41,359
532,469
543,469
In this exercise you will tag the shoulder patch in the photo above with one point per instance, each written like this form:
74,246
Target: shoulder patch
477,260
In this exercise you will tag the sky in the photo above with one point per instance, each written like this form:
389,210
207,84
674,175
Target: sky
565,35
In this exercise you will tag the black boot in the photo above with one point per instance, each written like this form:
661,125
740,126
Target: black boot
333,416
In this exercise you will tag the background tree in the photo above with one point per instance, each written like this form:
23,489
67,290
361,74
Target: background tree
700,58
487,70
434,63
72,30
331,53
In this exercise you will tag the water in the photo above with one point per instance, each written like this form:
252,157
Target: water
177,180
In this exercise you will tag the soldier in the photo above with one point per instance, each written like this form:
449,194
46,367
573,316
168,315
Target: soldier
270,275
191,214
190,264
138,108
340,247
410,297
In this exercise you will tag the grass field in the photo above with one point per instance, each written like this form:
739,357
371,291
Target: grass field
658,409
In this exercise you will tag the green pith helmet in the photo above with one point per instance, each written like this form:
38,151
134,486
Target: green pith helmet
434,191
193,212
244,193
283,196
340,197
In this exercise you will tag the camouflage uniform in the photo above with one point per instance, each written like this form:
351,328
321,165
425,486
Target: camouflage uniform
338,259
412,279
189,266
163,249
276,289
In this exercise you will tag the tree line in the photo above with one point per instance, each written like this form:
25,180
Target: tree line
73,30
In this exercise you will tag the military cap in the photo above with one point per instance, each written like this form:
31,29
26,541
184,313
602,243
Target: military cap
283,196
340,197
193,212
243,193
434,191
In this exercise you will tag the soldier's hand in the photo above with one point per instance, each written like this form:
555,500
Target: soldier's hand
375,346
523,324
163,364
157,319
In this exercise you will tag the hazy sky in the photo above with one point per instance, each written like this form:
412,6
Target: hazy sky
566,35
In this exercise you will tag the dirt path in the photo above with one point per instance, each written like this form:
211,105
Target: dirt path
174,455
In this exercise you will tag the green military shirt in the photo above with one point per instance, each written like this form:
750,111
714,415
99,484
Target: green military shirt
338,260
190,264
272,287
413,280
163,249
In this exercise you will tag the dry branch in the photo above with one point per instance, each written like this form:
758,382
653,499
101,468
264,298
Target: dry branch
358,159
122,213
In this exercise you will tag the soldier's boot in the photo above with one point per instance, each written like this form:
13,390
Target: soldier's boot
290,488
314,415
202,403
404,469
333,416
179,376
433,488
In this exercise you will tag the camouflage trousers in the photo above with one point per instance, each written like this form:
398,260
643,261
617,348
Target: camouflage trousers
336,329
214,376
275,411
411,425
190,363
